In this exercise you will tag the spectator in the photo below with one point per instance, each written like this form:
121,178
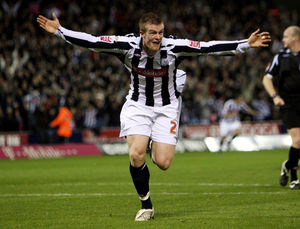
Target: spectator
10,123
90,117
41,116
2,119
64,123
23,51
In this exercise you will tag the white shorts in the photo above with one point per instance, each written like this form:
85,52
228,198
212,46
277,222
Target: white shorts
227,127
158,123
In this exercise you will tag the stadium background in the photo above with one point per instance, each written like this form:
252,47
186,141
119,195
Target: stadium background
39,72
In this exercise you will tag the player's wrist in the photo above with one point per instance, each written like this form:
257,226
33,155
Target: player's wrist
274,95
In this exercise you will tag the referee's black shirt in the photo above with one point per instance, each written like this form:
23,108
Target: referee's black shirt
285,70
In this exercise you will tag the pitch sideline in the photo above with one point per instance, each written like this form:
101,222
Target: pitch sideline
153,184
5,195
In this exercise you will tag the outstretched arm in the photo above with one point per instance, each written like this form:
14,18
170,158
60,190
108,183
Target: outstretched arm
257,39
49,25
185,47
111,44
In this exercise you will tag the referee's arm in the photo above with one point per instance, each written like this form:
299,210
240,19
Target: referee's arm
269,86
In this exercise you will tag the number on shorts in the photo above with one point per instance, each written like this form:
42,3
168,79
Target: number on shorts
173,127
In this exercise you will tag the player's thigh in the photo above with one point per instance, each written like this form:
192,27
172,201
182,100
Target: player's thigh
236,126
295,134
225,128
136,119
137,145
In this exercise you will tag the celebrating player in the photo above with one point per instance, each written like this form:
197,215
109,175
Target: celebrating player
153,104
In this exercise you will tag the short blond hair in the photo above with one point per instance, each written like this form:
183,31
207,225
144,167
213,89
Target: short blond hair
295,30
150,18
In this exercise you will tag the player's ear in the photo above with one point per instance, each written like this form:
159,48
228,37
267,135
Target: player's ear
142,34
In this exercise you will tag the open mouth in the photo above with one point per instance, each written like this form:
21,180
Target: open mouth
156,43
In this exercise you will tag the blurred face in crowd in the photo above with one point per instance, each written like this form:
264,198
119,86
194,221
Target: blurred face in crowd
290,37
239,99
152,37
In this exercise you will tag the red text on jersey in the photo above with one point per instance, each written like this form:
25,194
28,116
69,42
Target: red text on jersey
195,44
105,39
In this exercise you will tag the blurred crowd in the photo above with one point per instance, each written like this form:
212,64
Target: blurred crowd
40,73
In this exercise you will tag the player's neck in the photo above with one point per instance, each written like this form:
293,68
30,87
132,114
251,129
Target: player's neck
149,52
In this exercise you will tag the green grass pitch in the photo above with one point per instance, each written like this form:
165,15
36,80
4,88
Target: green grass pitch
200,190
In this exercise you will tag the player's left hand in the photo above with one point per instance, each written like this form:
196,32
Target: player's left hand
258,39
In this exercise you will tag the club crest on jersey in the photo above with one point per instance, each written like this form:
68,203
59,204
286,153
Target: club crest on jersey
105,39
164,62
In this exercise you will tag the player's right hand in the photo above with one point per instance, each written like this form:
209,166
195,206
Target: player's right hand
278,101
49,25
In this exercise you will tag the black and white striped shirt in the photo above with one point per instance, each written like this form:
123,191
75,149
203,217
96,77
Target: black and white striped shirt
153,78
232,109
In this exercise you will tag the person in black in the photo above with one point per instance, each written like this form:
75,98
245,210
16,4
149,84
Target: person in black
282,82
